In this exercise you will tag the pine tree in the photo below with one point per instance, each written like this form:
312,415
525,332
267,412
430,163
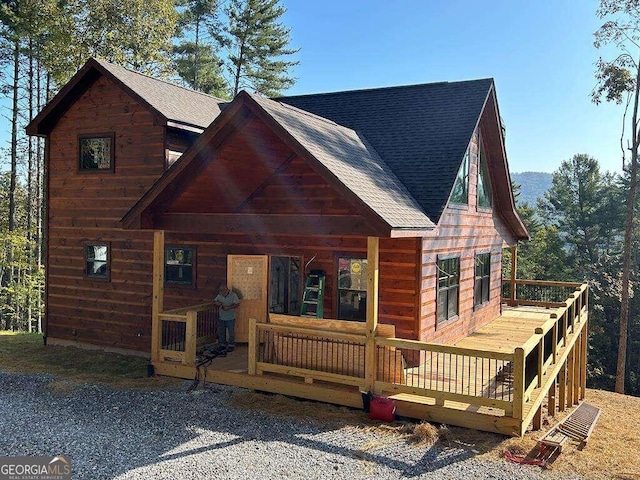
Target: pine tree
195,57
258,46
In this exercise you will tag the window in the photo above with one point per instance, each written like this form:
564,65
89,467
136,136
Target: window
448,286
484,182
352,289
460,192
285,284
179,265
483,273
97,260
96,152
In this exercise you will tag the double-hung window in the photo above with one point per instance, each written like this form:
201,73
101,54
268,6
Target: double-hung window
483,274
448,288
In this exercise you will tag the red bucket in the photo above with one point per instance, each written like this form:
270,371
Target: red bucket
382,409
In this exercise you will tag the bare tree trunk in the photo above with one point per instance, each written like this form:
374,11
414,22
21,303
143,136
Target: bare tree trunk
626,249
39,189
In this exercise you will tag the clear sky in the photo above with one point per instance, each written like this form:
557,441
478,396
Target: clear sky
540,53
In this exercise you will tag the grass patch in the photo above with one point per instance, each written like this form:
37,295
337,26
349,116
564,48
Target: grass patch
26,353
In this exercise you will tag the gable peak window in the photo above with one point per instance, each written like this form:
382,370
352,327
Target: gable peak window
448,288
485,194
96,152
460,192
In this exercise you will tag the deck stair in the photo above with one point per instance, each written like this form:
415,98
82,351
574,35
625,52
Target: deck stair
313,296
577,426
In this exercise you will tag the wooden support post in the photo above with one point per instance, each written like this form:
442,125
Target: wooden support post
537,419
157,302
570,376
190,338
562,396
254,344
577,369
554,334
518,383
373,261
551,403
583,365
565,325
514,268
540,360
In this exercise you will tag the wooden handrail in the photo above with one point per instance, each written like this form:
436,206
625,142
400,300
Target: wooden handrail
544,283
349,337
440,348
194,308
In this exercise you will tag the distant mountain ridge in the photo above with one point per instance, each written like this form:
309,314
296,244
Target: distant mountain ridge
533,185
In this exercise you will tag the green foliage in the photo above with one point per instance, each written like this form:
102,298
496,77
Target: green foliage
585,208
134,33
195,56
258,47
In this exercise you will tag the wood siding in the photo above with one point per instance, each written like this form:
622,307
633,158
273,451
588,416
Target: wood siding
86,206
463,232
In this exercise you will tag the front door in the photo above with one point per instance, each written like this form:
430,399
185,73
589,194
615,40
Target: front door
247,275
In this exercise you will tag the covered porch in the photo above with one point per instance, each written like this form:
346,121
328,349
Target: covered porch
496,379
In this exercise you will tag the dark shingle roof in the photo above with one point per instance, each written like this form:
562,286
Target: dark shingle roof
176,103
350,158
420,131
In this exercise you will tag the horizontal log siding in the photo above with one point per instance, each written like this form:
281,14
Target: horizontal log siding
86,206
463,231
398,269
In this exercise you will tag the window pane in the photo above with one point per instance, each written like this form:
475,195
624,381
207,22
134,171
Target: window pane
352,288
460,190
448,279
96,265
484,182
95,153
178,265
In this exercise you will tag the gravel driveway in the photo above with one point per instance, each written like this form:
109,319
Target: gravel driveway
144,434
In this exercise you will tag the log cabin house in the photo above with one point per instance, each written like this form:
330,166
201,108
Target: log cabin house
399,196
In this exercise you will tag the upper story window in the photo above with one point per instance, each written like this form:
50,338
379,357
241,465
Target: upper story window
484,181
179,265
460,192
96,152
97,260
448,287
352,288
483,274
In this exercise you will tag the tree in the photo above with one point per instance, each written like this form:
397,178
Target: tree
258,47
133,33
195,56
580,205
618,80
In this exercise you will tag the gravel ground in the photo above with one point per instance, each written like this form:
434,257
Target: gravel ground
155,434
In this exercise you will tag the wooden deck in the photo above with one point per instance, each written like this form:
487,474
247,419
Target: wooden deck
510,330
496,379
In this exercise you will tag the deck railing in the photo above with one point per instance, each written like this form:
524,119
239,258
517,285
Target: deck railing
308,353
182,329
445,372
514,382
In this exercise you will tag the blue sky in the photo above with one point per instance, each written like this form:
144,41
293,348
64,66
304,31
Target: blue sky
540,54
